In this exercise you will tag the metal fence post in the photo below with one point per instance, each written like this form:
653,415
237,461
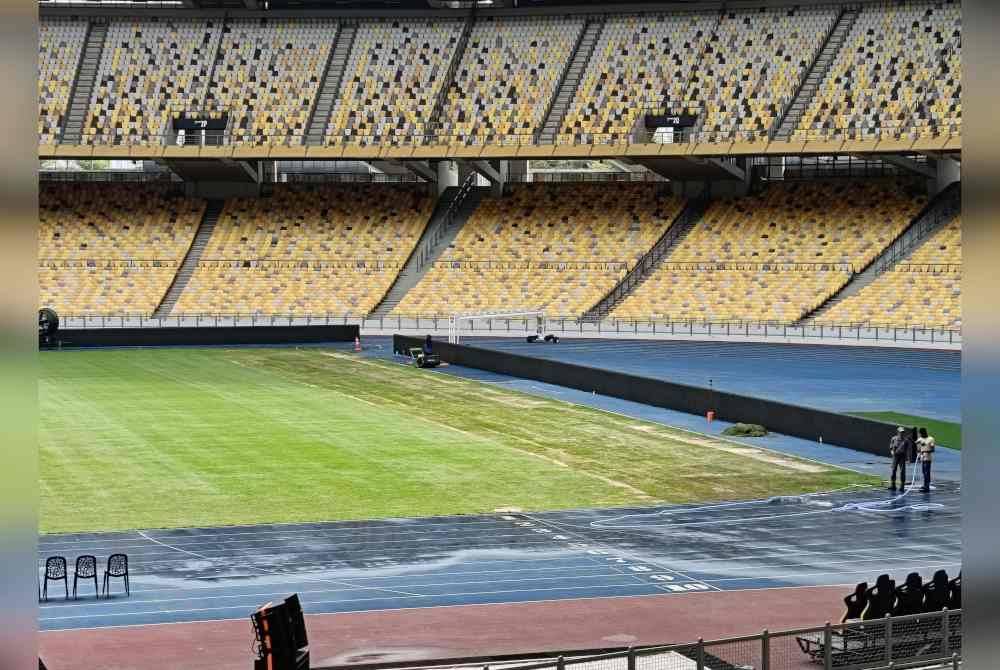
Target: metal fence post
945,631
827,647
561,663
888,638
765,650
700,656
631,658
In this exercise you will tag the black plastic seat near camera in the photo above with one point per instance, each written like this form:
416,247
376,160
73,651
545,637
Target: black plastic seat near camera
117,567
86,569
55,571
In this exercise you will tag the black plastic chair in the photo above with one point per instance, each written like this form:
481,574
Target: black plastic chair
86,568
936,592
117,567
55,571
955,593
856,602
881,598
910,596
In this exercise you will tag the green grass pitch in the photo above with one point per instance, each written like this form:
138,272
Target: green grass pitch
946,433
147,438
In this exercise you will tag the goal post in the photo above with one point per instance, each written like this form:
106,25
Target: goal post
459,324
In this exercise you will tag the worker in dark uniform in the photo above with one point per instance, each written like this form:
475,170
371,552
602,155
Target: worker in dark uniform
899,452
428,346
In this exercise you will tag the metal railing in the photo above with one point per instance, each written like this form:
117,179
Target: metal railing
688,217
424,250
560,325
109,263
937,215
123,176
894,642
758,266
288,264
349,178
932,268
517,264
547,177
391,138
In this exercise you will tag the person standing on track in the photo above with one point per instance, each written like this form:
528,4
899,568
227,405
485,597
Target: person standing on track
925,451
899,452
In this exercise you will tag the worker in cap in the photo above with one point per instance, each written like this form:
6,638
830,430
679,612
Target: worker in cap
899,451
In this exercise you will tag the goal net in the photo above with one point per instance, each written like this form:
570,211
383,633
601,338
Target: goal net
497,323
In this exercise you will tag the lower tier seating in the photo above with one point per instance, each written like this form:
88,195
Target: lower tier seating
272,288
103,290
906,296
781,295
926,290
449,288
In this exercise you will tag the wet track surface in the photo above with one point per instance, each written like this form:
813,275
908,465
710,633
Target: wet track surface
224,573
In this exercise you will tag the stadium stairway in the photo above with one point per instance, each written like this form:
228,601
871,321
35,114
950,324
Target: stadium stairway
817,73
333,77
456,59
688,217
83,83
208,220
936,214
567,88
453,209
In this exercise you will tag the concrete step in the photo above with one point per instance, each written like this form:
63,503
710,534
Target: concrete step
432,243
209,219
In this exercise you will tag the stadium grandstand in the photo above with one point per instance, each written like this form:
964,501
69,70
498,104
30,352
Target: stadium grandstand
710,114
658,253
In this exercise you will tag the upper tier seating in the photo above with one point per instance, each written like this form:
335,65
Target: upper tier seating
332,249
268,75
776,255
60,43
111,249
898,57
752,67
898,73
553,247
507,76
924,290
151,68
639,60
392,79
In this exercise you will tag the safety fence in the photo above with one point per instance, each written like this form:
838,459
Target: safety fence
108,263
683,137
124,176
515,264
560,325
916,641
570,176
361,264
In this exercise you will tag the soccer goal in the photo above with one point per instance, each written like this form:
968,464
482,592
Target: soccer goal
530,322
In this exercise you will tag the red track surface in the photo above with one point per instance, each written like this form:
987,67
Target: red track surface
443,632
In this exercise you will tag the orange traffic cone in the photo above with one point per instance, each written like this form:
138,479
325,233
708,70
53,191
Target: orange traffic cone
357,344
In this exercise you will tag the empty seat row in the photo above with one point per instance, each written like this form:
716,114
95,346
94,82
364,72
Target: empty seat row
738,70
557,248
